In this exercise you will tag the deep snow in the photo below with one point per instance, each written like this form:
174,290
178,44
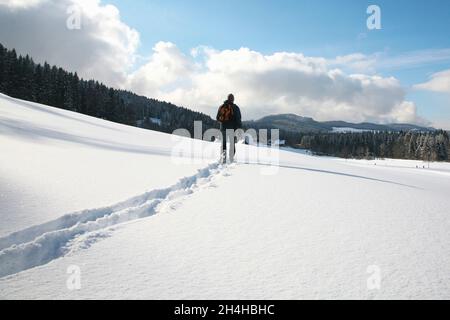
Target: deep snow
310,227
54,162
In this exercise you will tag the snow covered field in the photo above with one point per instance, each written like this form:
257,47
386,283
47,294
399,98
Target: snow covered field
348,130
111,201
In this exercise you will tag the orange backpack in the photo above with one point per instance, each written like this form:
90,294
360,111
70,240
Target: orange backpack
225,113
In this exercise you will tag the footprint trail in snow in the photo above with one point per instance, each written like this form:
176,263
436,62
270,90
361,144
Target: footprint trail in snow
43,243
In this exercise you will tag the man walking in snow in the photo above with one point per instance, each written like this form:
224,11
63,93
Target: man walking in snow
229,116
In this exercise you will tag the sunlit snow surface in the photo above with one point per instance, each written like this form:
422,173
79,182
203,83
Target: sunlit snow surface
140,223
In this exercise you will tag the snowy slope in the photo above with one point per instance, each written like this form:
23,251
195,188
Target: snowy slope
53,162
307,228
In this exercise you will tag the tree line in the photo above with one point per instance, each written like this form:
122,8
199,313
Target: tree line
413,145
22,78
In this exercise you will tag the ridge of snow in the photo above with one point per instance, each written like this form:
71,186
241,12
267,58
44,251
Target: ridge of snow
42,243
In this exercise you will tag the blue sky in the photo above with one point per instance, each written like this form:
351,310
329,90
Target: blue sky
326,28
313,58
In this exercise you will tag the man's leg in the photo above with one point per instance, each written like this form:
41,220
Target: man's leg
231,138
224,145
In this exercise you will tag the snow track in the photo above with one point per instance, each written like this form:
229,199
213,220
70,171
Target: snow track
41,244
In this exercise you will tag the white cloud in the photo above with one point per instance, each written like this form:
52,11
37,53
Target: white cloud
442,124
166,67
356,62
439,82
20,4
412,59
264,84
384,61
105,49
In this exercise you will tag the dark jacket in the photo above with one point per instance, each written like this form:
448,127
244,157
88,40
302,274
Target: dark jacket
235,123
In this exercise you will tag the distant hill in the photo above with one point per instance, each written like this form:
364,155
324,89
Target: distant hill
295,123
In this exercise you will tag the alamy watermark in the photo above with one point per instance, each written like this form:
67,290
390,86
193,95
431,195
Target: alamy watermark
260,147
374,280
73,282
73,21
374,20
